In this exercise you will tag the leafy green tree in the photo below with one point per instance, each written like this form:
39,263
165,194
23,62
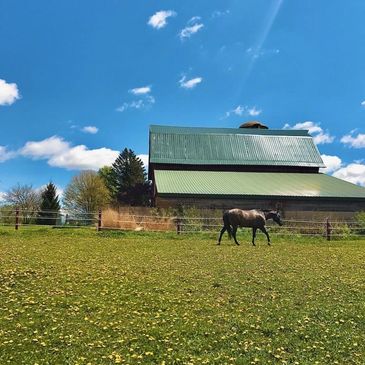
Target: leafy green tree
108,176
130,179
360,219
50,205
86,193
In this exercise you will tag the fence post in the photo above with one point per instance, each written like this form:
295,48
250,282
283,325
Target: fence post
99,221
328,229
16,219
178,225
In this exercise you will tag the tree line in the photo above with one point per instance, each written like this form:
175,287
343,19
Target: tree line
123,183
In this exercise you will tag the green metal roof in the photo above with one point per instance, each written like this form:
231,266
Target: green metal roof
259,184
232,146
205,130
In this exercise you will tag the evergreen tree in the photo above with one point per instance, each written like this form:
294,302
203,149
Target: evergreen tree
107,175
130,179
50,205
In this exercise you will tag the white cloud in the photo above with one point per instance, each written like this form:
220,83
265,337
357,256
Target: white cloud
332,163
9,93
310,126
146,99
244,110
253,111
144,103
87,129
319,135
194,20
363,103
189,84
81,158
150,99
43,149
5,154
60,153
354,173
189,30
90,129
355,142
323,138
60,192
140,90
220,13
239,110
258,52
159,19
144,159
136,104
2,196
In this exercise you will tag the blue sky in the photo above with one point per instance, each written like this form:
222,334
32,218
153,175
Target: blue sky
82,80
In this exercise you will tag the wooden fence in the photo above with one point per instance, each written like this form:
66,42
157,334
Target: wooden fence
126,220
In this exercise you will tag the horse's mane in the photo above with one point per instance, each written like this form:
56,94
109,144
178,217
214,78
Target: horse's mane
266,211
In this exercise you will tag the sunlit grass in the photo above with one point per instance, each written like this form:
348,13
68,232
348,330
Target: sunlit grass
82,297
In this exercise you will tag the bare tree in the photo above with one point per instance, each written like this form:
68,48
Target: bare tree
25,198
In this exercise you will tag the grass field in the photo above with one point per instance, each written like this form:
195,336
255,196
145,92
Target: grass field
82,297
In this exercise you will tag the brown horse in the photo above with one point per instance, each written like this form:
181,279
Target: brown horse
254,218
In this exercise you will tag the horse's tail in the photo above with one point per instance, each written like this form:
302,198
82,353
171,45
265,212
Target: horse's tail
227,224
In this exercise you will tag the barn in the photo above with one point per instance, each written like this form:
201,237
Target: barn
245,168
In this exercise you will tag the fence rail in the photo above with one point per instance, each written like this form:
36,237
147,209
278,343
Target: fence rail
181,225
26,218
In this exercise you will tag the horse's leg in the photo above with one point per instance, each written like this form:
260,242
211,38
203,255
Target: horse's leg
234,231
220,236
254,229
263,229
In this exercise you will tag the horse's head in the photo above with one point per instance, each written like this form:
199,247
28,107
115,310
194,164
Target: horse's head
277,217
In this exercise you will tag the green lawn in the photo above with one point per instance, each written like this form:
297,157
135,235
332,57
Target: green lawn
83,297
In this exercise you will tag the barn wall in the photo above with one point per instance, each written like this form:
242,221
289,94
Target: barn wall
234,168
294,209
